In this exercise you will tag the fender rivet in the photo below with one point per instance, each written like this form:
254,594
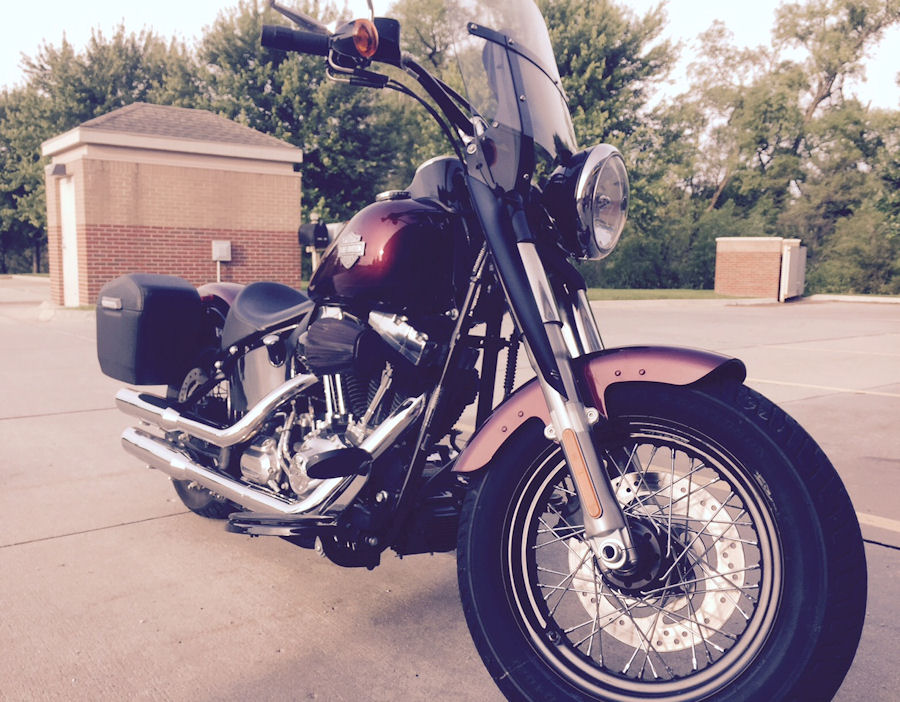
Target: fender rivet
642,372
618,373
503,429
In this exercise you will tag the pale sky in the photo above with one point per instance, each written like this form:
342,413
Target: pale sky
27,23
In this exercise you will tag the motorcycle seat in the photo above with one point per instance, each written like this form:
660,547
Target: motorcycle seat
263,306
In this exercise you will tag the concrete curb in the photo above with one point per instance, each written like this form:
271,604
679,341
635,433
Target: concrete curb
873,299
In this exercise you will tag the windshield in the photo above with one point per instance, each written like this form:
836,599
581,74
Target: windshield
510,77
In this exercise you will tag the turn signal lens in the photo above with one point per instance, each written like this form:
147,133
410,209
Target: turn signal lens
365,38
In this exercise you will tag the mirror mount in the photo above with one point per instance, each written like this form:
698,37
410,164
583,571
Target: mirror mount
305,22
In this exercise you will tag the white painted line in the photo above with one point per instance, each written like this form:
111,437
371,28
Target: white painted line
852,391
880,522
813,347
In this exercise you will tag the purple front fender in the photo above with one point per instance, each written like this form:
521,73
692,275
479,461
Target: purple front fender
649,364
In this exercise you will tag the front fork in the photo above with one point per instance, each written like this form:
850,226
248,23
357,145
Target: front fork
554,335
572,332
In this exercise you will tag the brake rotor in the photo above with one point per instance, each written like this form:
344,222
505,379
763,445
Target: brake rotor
697,590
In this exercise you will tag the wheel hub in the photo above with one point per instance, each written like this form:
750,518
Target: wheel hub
657,561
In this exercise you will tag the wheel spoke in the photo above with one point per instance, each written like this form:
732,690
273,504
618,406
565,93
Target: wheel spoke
697,513
694,540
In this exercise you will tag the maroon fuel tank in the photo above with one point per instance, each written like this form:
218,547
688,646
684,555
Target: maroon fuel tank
397,254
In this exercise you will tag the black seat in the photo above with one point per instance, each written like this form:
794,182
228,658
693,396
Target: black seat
263,306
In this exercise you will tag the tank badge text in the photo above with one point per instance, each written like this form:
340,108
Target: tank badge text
351,249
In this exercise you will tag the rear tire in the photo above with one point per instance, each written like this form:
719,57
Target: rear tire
196,498
201,501
760,588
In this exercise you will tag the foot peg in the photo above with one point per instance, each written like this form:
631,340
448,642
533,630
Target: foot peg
259,524
338,463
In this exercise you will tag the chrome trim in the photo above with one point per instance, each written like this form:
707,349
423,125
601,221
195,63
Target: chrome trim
386,433
568,412
333,494
586,324
400,335
159,454
133,404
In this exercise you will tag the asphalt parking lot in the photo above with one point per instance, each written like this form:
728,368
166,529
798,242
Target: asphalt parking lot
111,590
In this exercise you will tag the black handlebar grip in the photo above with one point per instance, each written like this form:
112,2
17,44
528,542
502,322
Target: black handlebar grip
276,37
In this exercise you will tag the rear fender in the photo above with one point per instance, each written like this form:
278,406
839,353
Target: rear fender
220,293
649,364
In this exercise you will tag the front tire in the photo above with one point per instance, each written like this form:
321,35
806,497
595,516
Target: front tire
756,583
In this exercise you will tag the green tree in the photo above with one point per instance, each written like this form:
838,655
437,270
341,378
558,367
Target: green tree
64,88
352,147
609,60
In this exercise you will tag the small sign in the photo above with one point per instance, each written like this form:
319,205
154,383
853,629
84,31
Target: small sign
221,251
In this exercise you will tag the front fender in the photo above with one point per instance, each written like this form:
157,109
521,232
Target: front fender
650,364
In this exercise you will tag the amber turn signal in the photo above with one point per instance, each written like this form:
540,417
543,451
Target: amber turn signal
579,470
365,38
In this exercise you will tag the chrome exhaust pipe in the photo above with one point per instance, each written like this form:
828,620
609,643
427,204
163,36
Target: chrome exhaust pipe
333,494
158,453
155,410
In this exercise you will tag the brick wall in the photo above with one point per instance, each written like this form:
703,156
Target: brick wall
54,235
186,252
748,266
158,218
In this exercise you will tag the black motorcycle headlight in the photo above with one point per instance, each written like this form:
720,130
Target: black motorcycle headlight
588,198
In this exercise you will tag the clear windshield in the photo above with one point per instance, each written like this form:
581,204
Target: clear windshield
510,76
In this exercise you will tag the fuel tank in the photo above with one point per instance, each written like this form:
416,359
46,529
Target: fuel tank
397,254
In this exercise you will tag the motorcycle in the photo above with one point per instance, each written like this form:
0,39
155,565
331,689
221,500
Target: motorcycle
633,523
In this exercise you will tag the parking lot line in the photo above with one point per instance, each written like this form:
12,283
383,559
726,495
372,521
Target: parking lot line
873,520
810,347
852,391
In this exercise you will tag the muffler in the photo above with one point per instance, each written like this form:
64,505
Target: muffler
332,494
158,453
155,410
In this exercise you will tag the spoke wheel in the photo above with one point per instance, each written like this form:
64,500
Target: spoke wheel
740,592
708,559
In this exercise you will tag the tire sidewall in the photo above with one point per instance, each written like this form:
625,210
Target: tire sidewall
485,588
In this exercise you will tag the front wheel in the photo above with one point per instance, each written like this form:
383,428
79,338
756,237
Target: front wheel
752,582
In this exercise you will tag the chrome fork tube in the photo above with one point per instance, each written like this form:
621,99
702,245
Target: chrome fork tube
571,420
586,324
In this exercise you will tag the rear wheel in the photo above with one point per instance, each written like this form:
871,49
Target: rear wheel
752,585
213,406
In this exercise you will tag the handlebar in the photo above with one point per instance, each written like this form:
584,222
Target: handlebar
277,37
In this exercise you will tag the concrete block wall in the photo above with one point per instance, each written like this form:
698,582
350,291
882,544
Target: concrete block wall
748,266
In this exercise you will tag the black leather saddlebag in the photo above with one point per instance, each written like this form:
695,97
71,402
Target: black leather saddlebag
147,328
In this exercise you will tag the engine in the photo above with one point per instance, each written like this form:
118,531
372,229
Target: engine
367,370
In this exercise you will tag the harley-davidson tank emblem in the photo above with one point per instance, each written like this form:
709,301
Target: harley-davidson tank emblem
351,249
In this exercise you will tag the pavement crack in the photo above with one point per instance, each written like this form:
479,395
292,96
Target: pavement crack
882,544
58,414
91,531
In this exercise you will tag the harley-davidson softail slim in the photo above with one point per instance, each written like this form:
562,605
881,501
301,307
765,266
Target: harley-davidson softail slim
634,523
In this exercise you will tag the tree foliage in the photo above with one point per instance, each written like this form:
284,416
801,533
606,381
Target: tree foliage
62,89
765,142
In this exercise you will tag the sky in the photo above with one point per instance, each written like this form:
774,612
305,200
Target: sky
28,24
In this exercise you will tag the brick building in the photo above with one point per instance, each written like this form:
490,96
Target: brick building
762,266
148,188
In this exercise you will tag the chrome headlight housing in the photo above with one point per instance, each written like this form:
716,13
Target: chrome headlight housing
588,198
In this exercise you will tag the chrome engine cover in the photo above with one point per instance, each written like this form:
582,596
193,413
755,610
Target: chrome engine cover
260,464
311,446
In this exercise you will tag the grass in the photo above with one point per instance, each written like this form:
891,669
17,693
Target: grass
654,294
